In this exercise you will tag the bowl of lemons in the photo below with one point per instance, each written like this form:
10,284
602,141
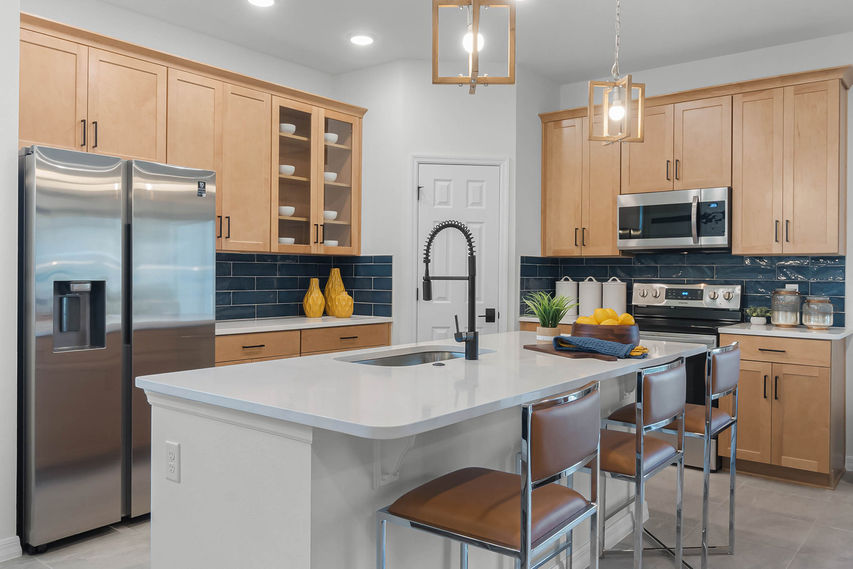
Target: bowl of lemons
606,324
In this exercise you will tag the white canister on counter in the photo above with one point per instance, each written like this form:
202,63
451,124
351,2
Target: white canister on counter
568,288
590,295
614,294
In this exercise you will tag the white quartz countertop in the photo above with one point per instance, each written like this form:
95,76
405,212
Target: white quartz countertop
748,329
227,327
376,402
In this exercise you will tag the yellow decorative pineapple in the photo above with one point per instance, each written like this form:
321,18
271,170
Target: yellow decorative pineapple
334,286
313,303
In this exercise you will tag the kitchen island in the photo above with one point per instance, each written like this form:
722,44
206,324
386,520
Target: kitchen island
284,463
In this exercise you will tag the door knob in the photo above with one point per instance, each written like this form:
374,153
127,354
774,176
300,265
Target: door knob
490,315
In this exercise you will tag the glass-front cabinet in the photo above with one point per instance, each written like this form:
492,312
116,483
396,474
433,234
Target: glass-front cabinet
316,203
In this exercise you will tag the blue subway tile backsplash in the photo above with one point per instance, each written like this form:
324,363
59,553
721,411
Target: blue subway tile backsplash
267,286
759,276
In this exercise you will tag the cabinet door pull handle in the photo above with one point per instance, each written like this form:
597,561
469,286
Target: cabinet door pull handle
765,386
255,347
95,126
676,168
316,233
771,350
776,387
576,236
583,236
83,124
349,337
228,218
776,232
219,233
787,237
667,170
323,232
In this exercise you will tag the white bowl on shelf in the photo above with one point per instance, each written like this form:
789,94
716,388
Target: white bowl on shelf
330,215
286,210
287,128
287,169
286,240
330,242
330,176
330,137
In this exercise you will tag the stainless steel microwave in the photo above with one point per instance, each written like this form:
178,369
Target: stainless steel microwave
680,219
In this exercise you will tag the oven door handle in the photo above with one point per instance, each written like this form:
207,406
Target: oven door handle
694,219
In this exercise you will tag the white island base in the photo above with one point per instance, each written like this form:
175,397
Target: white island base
256,491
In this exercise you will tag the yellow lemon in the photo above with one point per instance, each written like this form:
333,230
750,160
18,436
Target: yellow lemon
612,313
600,315
610,322
626,319
586,320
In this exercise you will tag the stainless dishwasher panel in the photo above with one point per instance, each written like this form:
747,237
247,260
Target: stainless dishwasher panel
172,273
71,369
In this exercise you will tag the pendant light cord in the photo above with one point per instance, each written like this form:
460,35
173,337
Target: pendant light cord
615,69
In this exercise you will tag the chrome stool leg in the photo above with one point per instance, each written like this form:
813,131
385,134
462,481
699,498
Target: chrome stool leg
570,482
679,514
602,510
706,490
463,556
380,543
733,447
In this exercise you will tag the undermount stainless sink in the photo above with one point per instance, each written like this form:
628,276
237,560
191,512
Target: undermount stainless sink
408,357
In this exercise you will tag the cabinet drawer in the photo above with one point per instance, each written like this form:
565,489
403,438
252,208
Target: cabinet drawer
781,350
242,347
341,338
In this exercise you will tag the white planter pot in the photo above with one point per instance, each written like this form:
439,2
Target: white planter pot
758,320
546,335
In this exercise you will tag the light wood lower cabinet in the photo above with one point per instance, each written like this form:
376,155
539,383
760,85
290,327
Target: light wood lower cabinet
790,423
243,348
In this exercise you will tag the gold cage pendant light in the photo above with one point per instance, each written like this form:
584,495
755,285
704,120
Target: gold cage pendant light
475,76
613,105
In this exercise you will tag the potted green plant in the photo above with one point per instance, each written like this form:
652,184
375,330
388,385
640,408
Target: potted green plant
549,310
758,315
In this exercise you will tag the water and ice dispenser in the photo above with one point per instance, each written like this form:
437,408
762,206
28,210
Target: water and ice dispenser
79,315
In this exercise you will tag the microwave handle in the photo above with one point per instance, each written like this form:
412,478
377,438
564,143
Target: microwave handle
694,219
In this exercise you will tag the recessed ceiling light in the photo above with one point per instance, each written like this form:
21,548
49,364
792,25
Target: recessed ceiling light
262,3
361,39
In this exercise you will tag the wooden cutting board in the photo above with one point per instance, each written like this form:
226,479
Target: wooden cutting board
549,349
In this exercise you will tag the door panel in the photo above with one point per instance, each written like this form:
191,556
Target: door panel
245,185
562,187
194,127
754,413
601,175
127,107
811,175
53,92
644,164
757,141
703,144
470,194
801,417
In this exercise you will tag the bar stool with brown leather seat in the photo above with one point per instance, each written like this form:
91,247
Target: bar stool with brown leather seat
521,516
636,457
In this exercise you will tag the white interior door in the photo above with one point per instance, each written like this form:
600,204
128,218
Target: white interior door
470,194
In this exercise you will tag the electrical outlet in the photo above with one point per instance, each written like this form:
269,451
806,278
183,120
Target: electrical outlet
173,461
795,287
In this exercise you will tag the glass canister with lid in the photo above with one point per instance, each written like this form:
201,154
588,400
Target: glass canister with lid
817,312
785,307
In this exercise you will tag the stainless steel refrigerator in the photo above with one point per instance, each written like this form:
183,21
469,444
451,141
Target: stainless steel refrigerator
117,267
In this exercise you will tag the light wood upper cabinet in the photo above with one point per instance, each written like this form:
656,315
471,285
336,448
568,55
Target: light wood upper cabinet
755,399
648,166
801,417
127,106
812,202
757,142
342,159
245,180
53,92
702,145
194,128
562,187
788,179
601,175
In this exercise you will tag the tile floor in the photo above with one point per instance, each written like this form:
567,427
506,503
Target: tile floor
779,526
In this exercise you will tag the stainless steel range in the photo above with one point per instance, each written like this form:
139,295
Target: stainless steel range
687,313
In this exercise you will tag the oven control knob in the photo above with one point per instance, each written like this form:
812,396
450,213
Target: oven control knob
728,295
713,295
656,294
643,293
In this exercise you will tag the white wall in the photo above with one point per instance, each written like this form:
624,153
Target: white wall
9,545
109,20
819,53
407,116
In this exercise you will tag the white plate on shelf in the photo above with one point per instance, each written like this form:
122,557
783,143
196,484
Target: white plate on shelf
287,240
286,210
330,137
330,215
330,242
287,169
287,128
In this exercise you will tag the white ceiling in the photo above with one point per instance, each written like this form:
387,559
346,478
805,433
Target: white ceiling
567,40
